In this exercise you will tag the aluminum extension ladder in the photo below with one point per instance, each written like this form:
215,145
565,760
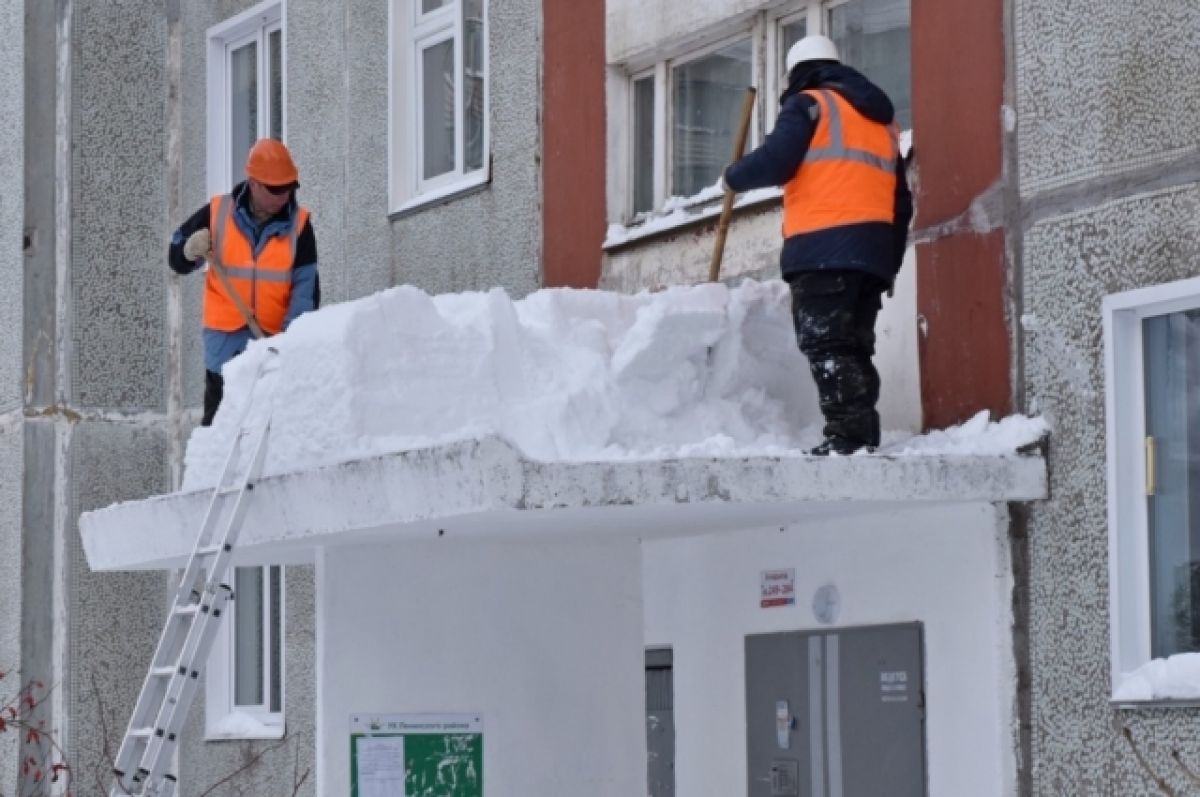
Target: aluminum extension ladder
147,751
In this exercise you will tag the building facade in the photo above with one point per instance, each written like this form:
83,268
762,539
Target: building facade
1053,169
125,118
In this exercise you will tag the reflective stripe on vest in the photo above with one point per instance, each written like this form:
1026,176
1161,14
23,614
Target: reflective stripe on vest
263,279
849,172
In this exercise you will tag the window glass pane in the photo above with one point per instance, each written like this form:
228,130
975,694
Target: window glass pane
873,37
248,636
276,599
437,109
473,77
243,108
433,5
275,50
706,97
789,34
643,145
1172,363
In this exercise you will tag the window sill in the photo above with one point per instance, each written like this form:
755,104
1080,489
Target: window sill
455,190
699,212
1165,702
242,726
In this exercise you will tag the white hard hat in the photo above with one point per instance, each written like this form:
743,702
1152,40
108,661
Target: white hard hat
812,48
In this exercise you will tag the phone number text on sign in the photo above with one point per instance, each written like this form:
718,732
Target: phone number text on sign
777,588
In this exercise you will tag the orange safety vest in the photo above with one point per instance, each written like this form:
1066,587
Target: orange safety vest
849,172
264,281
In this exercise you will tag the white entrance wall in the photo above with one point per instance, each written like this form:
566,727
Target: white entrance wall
543,639
946,566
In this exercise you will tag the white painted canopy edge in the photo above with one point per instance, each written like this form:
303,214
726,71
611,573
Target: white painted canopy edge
486,489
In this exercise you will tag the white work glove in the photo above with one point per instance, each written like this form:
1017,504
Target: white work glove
721,184
197,245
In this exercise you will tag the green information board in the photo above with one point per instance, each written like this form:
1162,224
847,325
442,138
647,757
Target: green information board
416,755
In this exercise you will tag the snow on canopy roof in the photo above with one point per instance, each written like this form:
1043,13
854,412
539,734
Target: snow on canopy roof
562,375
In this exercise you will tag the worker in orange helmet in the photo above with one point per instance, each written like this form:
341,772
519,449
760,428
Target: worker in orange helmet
263,240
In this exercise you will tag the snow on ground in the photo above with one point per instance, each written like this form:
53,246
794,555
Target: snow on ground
1173,678
691,371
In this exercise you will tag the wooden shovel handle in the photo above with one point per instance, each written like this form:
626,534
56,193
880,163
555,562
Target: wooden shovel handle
739,146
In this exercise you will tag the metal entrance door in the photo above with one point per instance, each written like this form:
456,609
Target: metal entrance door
836,713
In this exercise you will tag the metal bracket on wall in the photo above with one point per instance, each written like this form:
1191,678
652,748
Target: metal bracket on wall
29,241
1151,469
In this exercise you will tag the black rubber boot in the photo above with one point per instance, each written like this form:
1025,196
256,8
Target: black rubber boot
838,445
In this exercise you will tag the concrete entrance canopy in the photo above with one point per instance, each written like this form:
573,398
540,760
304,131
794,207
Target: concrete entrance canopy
486,490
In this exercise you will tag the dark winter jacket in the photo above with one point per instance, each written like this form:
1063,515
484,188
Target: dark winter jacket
873,247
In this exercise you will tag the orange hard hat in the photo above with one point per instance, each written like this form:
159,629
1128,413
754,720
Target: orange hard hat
270,163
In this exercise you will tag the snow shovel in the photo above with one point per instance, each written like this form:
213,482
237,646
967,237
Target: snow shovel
714,269
214,263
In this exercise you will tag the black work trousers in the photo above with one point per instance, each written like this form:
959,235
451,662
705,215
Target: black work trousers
834,313
214,390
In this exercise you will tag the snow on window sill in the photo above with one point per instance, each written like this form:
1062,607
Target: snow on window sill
469,184
1173,681
241,725
680,212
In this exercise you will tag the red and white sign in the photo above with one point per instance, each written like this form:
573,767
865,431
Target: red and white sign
778,588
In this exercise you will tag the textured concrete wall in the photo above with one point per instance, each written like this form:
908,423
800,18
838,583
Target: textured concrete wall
494,236
12,604
337,128
117,227
1074,260
635,26
12,113
367,260
1110,189
114,618
113,434
1103,87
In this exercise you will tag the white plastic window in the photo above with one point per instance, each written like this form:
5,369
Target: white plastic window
438,123
1152,369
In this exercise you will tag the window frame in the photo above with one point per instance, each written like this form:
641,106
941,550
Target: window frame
223,719
1125,426
410,32
254,24
656,183
691,56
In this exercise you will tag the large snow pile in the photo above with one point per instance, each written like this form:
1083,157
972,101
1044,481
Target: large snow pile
562,374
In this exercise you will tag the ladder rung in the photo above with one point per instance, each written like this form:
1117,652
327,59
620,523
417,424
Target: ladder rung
190,609
164,672
213,549
142,733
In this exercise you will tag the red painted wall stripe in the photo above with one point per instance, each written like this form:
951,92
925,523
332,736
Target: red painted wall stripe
958,91
573,142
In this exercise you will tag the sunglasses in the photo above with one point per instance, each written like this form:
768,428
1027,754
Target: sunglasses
278,190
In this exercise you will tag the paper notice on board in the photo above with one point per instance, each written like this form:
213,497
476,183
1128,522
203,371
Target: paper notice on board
381,766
